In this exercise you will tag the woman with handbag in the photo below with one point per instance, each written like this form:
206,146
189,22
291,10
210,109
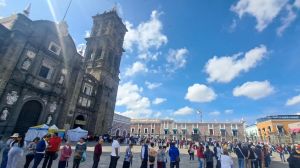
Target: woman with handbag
31,151
66,153
80,149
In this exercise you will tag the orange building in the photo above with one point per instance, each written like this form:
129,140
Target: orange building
275,129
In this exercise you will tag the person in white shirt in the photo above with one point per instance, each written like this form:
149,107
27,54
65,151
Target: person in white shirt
226,160
114,156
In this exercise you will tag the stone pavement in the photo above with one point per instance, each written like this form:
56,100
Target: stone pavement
105,159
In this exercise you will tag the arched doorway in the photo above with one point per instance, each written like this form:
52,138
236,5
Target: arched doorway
117,132
79,121
28,116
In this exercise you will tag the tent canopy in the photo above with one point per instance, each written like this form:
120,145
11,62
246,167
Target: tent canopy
43,126
76,134
295,130
36,131
53,127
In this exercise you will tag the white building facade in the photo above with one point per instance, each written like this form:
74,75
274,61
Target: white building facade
251,133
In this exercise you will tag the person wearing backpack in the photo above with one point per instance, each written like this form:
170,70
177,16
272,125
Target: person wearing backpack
259,153
240,155
152,155
252,157
209,158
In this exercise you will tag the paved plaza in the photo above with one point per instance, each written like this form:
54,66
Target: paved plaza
105,159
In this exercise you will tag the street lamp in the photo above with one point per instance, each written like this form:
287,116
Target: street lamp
200,113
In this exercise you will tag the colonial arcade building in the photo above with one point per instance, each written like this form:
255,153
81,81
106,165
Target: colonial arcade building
188,130
43,79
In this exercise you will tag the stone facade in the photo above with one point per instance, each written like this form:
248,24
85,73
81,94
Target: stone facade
180,130
43,79
120,126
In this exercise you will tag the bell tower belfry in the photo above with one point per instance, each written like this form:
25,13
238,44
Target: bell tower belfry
102,59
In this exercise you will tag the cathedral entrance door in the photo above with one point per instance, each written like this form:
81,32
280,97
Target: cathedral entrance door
79,122
28,116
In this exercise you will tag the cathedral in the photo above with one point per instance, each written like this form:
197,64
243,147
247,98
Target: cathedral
44,80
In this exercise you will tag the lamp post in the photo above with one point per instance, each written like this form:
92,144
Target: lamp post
200,113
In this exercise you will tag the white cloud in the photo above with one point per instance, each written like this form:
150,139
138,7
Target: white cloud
200,93
229,111
176,59
137,67
87,34
2,3
159,100
226,68
254,90
263,10
184,111
233,25
286,21
152,85
293,101
81,48
157,115
130,96
146,35
149,56
215,113
297,3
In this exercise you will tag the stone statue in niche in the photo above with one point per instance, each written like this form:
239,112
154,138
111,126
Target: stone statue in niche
30,54
93,56
49,119
12,97
26,64
61,79
4,114
52,107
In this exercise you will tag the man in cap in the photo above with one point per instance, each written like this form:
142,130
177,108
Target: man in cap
294,158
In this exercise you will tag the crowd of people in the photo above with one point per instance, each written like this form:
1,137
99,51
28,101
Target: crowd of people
249,155
44,149
154,153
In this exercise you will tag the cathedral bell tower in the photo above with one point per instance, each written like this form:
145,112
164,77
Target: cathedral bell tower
102,59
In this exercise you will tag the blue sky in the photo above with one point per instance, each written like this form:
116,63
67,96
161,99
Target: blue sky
229,59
